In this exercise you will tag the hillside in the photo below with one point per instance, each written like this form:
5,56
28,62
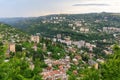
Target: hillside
69,47
10,33
82,25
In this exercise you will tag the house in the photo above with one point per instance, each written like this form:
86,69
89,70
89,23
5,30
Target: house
70,25
1,36
108,51
75,61
78,57
84,30
79,44
91,55
97,21
54,39
67,58
67,42
59,36
78,23
100,60
90,46
71,49
55,75
111,29
67,38
75,72
93,64
48,61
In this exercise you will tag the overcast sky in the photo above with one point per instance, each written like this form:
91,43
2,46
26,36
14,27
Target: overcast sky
26,8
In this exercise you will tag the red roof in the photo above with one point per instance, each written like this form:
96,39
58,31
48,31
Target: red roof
52,73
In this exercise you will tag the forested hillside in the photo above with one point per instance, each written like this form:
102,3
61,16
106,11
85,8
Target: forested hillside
70,25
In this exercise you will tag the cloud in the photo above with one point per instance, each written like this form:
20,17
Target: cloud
91,4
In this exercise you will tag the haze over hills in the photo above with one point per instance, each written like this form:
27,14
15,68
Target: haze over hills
48,26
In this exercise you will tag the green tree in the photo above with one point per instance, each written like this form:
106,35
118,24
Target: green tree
111,69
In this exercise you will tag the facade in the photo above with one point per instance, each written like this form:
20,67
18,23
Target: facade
79,44
31,66
35,47
12,47
84,30
93,63
35,39
44,47
54,75
59,36
111,29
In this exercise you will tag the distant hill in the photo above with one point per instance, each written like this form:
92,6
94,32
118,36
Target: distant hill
52,25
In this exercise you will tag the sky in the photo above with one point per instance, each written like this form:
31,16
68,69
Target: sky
33,8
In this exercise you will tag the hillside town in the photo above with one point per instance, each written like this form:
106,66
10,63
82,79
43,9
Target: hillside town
62,56
57,69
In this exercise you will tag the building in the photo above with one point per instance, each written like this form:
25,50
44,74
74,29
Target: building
68,42
78,23
59,36
79,44
1,36
67,38
71,49
12,47
85,30
44,47
54,75
35,39
35,47
93,64
108,52
111,29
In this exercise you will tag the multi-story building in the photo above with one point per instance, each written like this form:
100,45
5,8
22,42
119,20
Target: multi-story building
59,36
85,30
12,47
55,75
111,29
35,39
79,44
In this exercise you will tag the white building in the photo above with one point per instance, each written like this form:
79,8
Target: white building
35,39
79,44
